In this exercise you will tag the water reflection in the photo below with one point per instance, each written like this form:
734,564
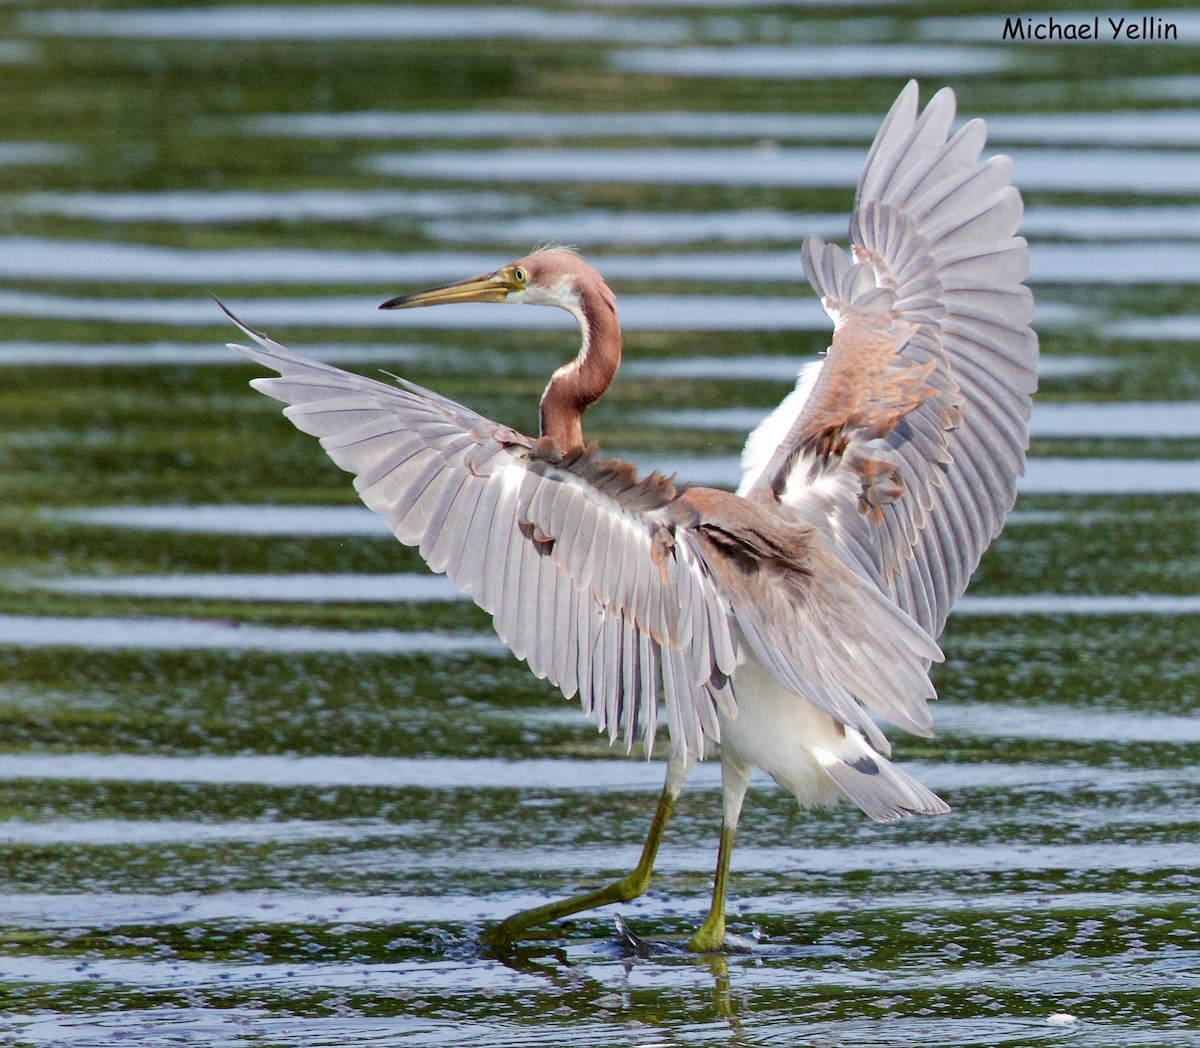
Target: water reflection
491,124
143,833
1079,604
1143,128
101,909
1163,419
1153,128
638,313
619,774
785,369
292,976
750,368
1179,88
429,773
1037,721
643,228
202,207
1180,327
917,856
232,519
1114,223
345,588
755,4
225,1028
622,774
14,52
109,909
1153,420
438,211
175,354
1043,476
832,62
76,261
1060,170
354,22
35,154
177,634
1094,476
649,229
322,588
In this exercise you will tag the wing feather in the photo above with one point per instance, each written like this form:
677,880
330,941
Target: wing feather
908,445
567,673
586,573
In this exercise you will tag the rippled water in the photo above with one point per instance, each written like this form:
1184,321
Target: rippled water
73,261
1059,170
1159,420
264,780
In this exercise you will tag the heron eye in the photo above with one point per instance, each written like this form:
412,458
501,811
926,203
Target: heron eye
521,275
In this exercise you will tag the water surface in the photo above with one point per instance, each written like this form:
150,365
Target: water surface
1144,128
1046,170
59,260
265,780
1156,420
351,22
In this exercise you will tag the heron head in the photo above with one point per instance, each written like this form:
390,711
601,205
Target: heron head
548,277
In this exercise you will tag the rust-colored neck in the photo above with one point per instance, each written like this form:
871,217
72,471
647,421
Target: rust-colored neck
581,382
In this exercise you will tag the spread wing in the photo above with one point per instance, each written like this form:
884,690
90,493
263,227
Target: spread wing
909,441
823,630
573,556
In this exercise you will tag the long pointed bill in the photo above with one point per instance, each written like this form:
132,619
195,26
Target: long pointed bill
491,287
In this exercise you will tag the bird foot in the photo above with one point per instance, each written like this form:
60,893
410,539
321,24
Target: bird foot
504,936
709,937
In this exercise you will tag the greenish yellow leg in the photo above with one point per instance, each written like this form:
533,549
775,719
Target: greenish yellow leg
710,936
628,887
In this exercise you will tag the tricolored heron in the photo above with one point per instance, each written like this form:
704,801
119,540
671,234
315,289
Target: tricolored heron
779,621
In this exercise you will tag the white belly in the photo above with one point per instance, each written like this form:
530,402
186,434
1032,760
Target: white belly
776,730
809,753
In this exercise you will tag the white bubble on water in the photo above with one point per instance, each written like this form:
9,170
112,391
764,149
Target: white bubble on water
1061,1019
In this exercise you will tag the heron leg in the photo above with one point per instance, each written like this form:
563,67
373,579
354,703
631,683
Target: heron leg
623,889
710,936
